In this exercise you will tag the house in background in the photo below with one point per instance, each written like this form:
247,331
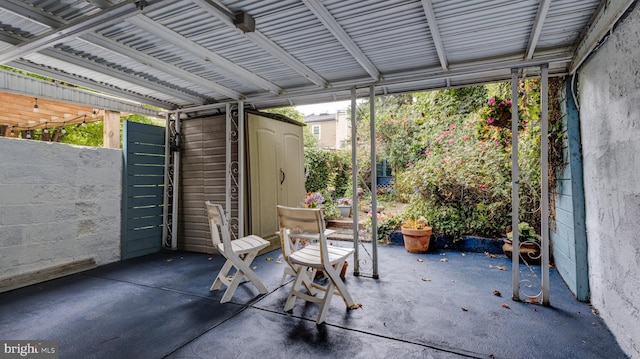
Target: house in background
331,129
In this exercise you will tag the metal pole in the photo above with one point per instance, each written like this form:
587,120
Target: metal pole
374,180
544,178
241,169
354,183
167,181
515,200
227,163
176,186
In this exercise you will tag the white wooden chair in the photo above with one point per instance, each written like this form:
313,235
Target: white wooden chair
239,254
308,223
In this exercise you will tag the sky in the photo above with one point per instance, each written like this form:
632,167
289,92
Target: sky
330,107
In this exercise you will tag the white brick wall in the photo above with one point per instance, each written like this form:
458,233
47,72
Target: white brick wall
610,127
58,204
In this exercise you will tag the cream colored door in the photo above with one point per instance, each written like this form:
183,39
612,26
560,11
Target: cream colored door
292,163
276,172
263,176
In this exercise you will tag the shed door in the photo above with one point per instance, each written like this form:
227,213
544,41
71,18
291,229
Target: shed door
276,172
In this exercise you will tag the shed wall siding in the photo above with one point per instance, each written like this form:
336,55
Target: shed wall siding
568,234
202,177
59,204
609,88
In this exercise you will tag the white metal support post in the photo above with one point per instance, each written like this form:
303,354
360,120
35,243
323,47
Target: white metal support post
544,179
227,163
354,184
515,200
234,182
241,168
374,180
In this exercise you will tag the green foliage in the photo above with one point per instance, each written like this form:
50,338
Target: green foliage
525,233
341,173
317,169
439,106
450,166
461,180
89,134
387,226
328,171
330,209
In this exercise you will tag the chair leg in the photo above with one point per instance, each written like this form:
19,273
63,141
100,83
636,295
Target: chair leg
301,274
221,278
249,274
243,272
325,303
334,277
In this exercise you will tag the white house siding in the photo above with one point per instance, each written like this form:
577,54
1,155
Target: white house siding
609,93
59,204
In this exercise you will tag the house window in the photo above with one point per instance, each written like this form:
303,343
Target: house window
316,131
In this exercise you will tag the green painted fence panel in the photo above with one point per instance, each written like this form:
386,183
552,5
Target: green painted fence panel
142,189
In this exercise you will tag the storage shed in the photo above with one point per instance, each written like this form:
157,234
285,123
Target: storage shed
273,158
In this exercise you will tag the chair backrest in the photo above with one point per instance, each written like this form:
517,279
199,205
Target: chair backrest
217,224
300,220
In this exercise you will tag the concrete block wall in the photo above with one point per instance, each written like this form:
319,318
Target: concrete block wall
609,89
58,204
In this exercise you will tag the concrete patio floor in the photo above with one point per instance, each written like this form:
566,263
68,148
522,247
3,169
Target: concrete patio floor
421,307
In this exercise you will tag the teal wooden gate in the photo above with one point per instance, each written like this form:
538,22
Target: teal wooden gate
142,189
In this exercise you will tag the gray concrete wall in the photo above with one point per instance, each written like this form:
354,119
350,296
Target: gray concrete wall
58,204
609,97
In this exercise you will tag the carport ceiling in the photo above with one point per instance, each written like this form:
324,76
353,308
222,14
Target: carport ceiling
200,54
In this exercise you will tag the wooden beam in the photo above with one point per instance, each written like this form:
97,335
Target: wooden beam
111,130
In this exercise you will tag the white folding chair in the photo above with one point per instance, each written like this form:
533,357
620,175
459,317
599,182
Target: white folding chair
239,254
308,223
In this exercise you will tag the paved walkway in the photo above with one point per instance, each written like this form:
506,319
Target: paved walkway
422,306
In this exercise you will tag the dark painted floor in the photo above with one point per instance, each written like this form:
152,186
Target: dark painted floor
160,306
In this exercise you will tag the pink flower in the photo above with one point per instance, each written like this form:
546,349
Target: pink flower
451,141
443,160
427,152
466,138
439,138
497,143
508,103
452,126
409,164
524,123
444,133
489,120
492,101
482,186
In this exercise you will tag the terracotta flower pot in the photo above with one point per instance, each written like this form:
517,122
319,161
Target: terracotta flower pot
416,240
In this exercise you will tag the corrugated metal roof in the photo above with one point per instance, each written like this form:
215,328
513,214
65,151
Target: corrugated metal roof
183,54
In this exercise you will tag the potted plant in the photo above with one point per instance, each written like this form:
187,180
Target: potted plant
344,204
529,243
313,200
416,234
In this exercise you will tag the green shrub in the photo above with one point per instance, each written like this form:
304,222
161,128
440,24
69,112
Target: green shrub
326,170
